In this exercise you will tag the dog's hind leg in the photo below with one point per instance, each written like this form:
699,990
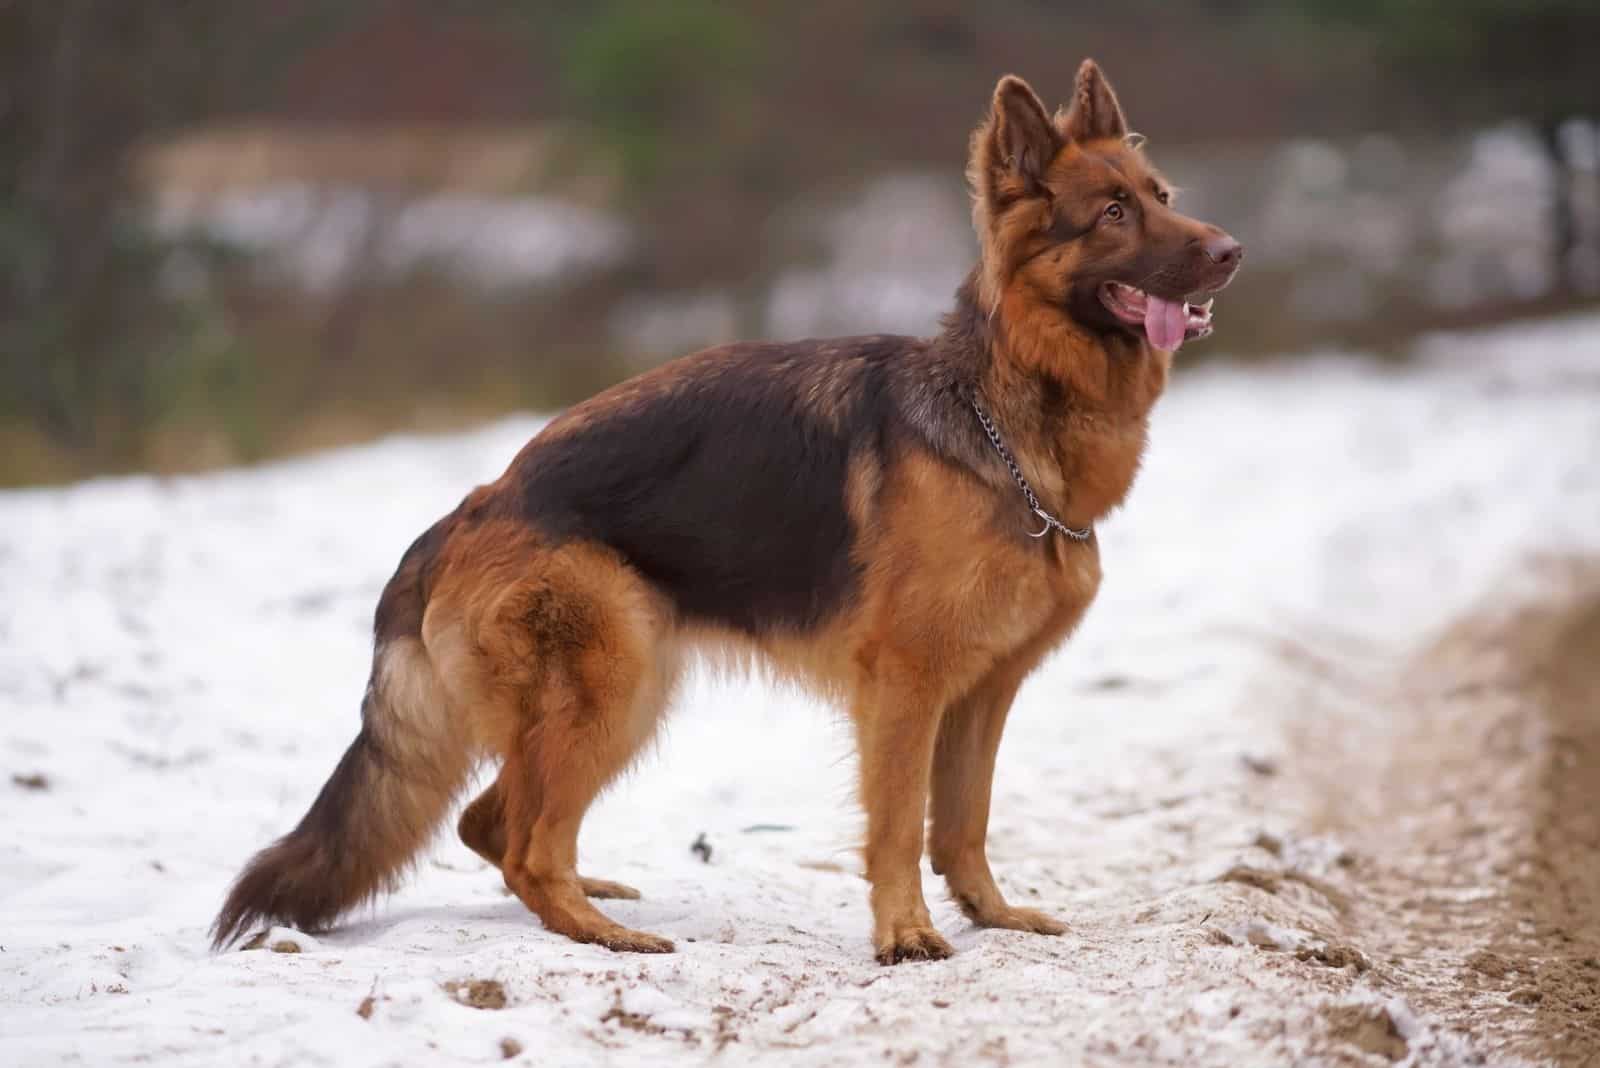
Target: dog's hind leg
573,663
963,777
483,830
482,826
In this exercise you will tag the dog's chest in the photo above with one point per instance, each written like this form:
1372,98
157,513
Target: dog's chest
1035,591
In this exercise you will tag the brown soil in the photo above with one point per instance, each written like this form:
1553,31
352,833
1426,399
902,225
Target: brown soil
283,945
1369,1028
1470,803
478,993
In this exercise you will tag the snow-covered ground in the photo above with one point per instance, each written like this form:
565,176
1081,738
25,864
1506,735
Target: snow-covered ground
181,662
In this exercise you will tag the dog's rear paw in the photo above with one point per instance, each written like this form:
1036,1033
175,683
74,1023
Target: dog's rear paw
913,943
1012,918
621,939
605,888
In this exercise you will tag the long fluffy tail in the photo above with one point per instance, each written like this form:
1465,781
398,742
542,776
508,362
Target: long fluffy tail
383,802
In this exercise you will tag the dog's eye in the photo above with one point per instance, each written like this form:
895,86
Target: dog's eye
1114,211
1163,196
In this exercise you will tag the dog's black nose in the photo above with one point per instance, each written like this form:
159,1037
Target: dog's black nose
1223,250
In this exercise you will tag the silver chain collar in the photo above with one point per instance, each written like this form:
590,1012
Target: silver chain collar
1050,521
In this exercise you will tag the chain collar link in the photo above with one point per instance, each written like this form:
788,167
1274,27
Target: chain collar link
1050,521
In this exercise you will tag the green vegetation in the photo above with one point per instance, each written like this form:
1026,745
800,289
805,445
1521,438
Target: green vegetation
1471,61
656,78
717,114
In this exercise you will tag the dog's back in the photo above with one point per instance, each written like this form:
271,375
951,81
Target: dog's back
721,477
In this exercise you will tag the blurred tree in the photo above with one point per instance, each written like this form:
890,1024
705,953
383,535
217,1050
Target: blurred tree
661,81
70,114
96,343
679,94
720,115
1473,61
83,319
1468,63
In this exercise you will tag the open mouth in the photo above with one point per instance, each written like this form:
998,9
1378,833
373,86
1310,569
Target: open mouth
1167,324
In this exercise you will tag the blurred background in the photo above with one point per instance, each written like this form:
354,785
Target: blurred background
231,230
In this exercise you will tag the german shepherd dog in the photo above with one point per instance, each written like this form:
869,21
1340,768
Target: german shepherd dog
903,525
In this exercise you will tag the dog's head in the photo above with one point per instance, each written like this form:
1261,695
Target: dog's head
1075,221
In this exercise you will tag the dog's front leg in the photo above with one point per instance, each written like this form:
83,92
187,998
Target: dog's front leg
897,722
963,779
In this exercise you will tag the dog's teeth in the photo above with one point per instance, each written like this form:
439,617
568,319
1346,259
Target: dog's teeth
1206,307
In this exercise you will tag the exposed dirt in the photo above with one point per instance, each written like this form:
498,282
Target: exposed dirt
478,993
1471,804
265,940
1368,1028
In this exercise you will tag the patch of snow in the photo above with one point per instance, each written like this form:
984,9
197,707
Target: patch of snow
319,235
181,661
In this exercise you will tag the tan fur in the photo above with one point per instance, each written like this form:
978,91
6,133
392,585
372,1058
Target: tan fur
421,734
559,659
421,713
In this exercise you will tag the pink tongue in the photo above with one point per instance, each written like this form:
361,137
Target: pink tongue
1164,322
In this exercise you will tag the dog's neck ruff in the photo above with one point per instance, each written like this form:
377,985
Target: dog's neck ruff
1050,521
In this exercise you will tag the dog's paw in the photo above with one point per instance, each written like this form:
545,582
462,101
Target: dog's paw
621,939
605,888
912,943
1012,918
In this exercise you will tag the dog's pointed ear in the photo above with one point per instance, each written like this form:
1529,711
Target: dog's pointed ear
1094,112
1018,137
